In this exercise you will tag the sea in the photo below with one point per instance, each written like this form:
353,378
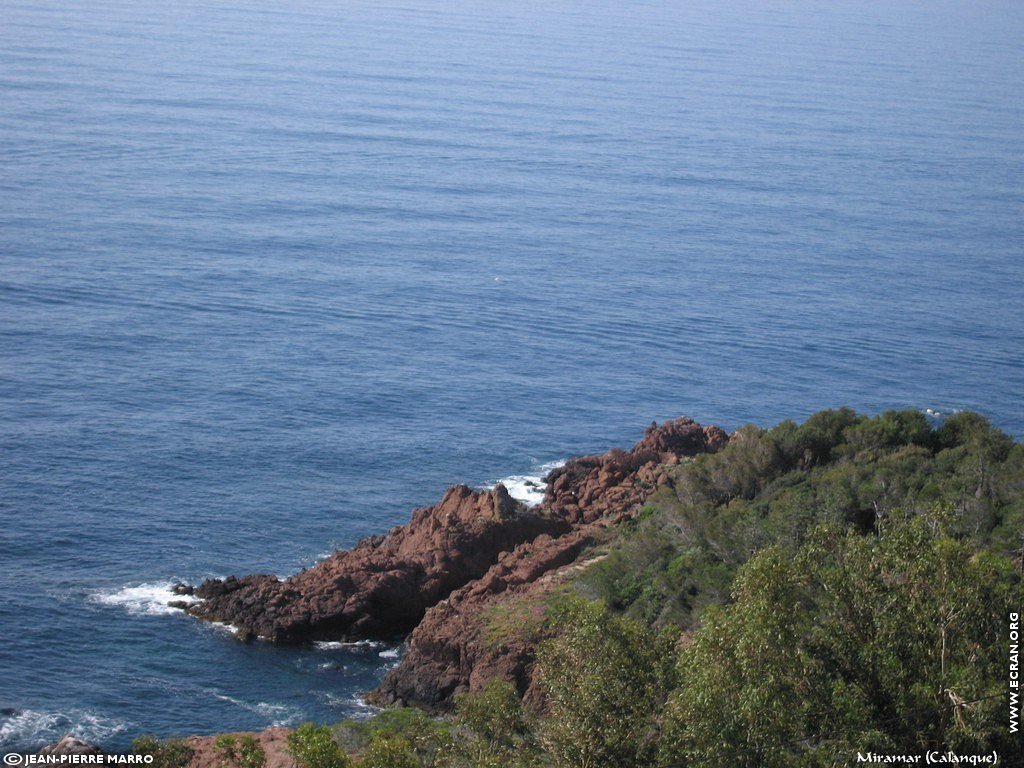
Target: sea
272,274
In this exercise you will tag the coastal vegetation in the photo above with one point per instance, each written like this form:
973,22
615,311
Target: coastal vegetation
314,747
240,751
165,753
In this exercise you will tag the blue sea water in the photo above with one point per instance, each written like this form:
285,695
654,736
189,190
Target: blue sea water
274,273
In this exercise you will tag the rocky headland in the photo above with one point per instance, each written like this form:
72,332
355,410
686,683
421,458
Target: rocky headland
437,579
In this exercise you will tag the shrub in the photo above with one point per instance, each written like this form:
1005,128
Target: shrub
892,642
170,753
389,751
498,730
773,487
314,747
606,677
426,736
241,752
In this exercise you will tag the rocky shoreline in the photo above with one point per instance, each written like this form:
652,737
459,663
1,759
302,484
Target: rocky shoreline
433,580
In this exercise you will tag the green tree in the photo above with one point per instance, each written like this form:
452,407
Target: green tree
240,752
774,486
389,751
171,753
314,747
889,642
428,737
497,730
606,677
494,713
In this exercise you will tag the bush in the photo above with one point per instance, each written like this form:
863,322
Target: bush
891,642
773,487
314,747
606,678
241,752
499,729
389,751
426,736
171,753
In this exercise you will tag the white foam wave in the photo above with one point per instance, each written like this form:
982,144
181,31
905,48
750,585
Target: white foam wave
330,699
276,714
27,729
353,707
529,489
935,413
360,710
390,653
150,598
335,645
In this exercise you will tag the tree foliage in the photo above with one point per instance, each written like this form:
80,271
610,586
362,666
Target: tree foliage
240,751
892,642
389,751
397,737
605,677
313,746
169,753
772,487
497,730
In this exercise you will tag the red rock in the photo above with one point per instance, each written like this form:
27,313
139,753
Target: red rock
273,741
449,652
438,576
382,587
